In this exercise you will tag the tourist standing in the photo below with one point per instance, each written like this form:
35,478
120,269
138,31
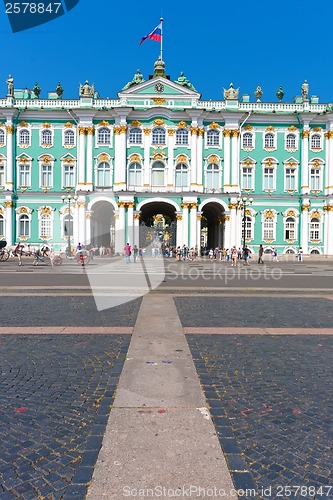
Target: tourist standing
260,254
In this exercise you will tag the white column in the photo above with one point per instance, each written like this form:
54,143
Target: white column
130,223
305,226
120,229
90,167
329,163
10,238
171,145
200,159
137,229
76,233
146,161
198,243
226,166
185,207
120,160
193,224
233,223
179,236
9,174
328,224
82,220
235,160
194,152
305,164
81,158
227,229
88,228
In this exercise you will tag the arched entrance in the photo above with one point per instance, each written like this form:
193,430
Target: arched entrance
158,223
212,225
103,225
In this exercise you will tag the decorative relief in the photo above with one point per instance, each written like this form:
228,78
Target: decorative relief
136,123
200,131
233,206
68,160
329,134
137,216
185,205
81,204
305,134
213,159
8,204
248,213
316,163
269,162
24,160
182,159
116,130
1,211
269,214
199,217
45,211
46,125
306,206
194,130
122,129
248,127
227,133
24,124
214,126
159,122
90,130
47,160
227,218
131,204
270,128
103,123
135,157
158,100
147,131
316,215
292,128
328,208
9,129
182,124
171,132
68,125
290,213
235,133
316,129
158,156
179,217
82,130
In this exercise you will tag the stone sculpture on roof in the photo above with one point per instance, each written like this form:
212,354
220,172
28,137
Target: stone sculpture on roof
138,78
182,80
230,93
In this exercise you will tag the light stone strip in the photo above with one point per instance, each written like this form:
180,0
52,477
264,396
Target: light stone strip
159,433
257,331
65,330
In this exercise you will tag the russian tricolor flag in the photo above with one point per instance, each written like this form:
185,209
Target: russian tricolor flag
156,34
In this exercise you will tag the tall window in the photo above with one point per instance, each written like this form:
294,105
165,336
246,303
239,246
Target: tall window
247,178
135,136
182,136
46,176
157,174
45,227
24,175
104,136
68,225
269,178
247,227
69,176
247,140
315,141
213,176
2,226
134,174
268,229
291,141
315,179
69,138
289,229
290,180
2,137
158,135
24,225
103,174
314,229
213,138
2,175
181,175
269,141
46,138
24,136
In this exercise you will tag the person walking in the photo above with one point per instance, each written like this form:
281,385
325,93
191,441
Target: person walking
246,256
300,254
260,254
234,255
135,253
127,251
275,259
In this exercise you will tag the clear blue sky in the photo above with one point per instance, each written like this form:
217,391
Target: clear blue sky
246,42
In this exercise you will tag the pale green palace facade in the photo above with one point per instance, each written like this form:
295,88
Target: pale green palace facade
158,149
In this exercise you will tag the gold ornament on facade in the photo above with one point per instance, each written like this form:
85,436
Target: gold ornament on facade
248,213
270,128
248,162
269,162
82,130
316,163
69,160
123,129
131,204
185,205
158,156
182,124
213,159
137,216
136,123
46,160
291,213
8,204
227,133
88,215
159,122
306,206
1,211
103,157
329,134
214,126
81,204
235,133
24,124
135,157
22,210
227,218
9,129
116,130
158,100
316,215
24,160
147,131
328,208
90,130
316,129
68,125
179,217
121,204
171,132
248,127
45,211
103,123
269,214
201,132
194,130
233,206
199,217
305,134
292,128
182,159
46,125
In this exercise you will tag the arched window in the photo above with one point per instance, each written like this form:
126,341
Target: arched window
24,136
45,226
314,229
213,176
247,140
157,174
24,225
46,138
135,136
181,175
213,138
269,141
103,174
315,252
248,227
316,141
2,226
68,225
182,136
289,229
134,175
2,137
291,141
269,229
2,175
69,138
104,136
158,136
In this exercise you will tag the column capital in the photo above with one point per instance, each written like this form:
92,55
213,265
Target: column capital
8,204
147,131
306,207
305,134
82,130
10,129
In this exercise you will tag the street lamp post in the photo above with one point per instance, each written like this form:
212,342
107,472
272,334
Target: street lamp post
243,203
69,199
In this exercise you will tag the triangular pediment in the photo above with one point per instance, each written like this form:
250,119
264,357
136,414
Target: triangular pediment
158,87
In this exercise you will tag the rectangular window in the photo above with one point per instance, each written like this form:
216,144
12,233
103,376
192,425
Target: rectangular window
268,230
2,229
315,231
69,178
46,176
24,175
268,178
2,175
290,179
247,180
315,179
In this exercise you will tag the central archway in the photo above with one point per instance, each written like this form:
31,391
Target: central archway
103,225
212,226
158,223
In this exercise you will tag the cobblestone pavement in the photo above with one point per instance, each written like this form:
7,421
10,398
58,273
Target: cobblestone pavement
55,397
263,312
64,311
271,402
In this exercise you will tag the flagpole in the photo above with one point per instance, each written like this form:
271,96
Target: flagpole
161,55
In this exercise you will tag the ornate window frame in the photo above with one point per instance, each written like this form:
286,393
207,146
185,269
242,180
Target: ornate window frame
316,164
46,160
248,163
182,137
316,140
291,164
134,160
3,131
24,160
3,171
217,161
270,163
137,133
154,163
100,159
213,138
50,134
158,136
269,215
250,216
182,161
287,137
21,212
103,125
64,131
315,217
68,160
43,213
27,134
269,139
251,146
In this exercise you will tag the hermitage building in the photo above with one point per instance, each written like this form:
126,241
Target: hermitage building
160,158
